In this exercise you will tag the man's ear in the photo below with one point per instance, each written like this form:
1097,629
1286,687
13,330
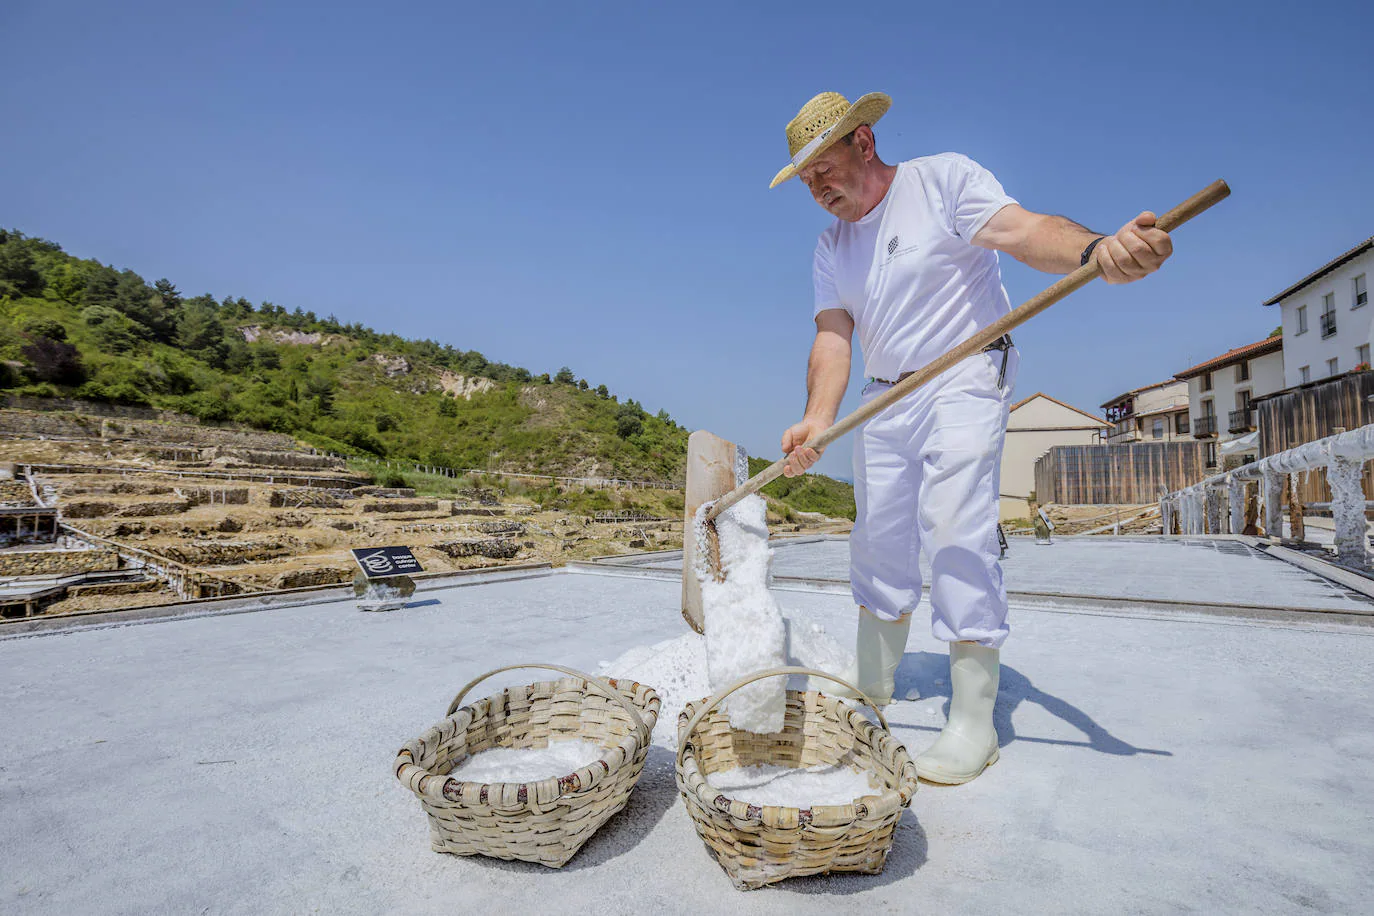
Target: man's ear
866,142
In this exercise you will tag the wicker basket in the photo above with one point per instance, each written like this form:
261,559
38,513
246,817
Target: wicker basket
761,845
545,821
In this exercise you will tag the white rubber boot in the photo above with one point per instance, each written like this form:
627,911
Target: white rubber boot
877,653
968,742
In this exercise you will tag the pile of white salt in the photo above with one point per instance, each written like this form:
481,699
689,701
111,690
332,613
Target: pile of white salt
744,629
794,787
510,764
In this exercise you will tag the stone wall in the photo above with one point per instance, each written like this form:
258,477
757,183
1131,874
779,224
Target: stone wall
56,562
300,497
95,409
402,505
272,459
29,424
388,492
493,548
99,508
215,496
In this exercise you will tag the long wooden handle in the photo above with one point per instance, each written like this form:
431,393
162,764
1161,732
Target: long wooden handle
1214,193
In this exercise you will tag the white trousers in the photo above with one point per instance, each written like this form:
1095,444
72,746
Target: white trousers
926,476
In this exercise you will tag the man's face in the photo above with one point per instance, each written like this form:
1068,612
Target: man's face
836,179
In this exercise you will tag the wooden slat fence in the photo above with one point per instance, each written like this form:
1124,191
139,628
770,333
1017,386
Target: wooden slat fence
1132,473
1291,417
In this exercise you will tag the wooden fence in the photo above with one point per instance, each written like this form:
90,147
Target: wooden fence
1291,417
1127,474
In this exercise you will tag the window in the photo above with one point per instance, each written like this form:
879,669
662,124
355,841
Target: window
1331,366
1181,423
1361,291
1328,314
1302,320
1304,375
1243,399
1243,371
1208,410
1157,431
1206,381
1362,355
1211,454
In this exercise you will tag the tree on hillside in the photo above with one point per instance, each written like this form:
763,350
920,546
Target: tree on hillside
603,392
565,376
582,384
18,276
49,356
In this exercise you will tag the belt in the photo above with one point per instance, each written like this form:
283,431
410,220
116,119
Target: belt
1002,343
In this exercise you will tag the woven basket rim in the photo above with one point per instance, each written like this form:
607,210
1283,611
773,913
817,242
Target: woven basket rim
884,798
568,782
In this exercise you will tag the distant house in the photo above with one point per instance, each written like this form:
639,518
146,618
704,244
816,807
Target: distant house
1155,413
1220,392
1326,319
1036,425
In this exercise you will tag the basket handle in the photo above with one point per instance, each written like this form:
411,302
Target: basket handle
598,683
716,700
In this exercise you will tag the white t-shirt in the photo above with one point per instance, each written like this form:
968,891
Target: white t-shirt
908,272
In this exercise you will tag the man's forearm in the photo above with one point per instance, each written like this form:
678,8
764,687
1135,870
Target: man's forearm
827,376
1054,244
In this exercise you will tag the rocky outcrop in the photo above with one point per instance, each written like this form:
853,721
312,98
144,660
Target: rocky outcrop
462,386
256,332
392,366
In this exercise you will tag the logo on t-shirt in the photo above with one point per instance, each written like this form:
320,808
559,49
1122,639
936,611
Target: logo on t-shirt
895,248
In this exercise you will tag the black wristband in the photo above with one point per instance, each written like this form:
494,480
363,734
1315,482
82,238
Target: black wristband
1088,252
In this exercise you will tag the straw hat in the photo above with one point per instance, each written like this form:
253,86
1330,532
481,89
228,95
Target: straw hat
824,120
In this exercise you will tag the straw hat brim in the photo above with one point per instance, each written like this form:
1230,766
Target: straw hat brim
866,109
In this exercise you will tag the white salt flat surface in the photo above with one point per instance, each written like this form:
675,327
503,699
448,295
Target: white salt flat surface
512,764
794,788
243,764
1168,569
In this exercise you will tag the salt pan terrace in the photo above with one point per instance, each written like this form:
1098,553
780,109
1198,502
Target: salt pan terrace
1157,756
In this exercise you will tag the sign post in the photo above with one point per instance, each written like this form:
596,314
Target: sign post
382,582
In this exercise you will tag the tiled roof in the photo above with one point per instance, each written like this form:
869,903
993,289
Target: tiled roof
1249,351
1325,269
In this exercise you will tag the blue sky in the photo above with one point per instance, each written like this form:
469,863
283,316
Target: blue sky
586,184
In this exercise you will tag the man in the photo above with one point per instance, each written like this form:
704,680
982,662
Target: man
910,264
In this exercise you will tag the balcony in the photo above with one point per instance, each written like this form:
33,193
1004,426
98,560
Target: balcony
1204,426
1241,421
1328,324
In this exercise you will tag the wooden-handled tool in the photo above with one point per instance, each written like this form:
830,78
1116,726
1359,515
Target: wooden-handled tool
717,449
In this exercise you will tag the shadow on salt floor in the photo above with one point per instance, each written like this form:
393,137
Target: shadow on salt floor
928,673
653,795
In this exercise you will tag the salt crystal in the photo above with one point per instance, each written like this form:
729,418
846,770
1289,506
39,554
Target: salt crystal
509,764
793,787
744,628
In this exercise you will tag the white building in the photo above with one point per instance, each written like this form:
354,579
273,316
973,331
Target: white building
1220,391
1155,413
1036,425
1326,318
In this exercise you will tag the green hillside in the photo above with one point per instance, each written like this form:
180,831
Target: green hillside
74,327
